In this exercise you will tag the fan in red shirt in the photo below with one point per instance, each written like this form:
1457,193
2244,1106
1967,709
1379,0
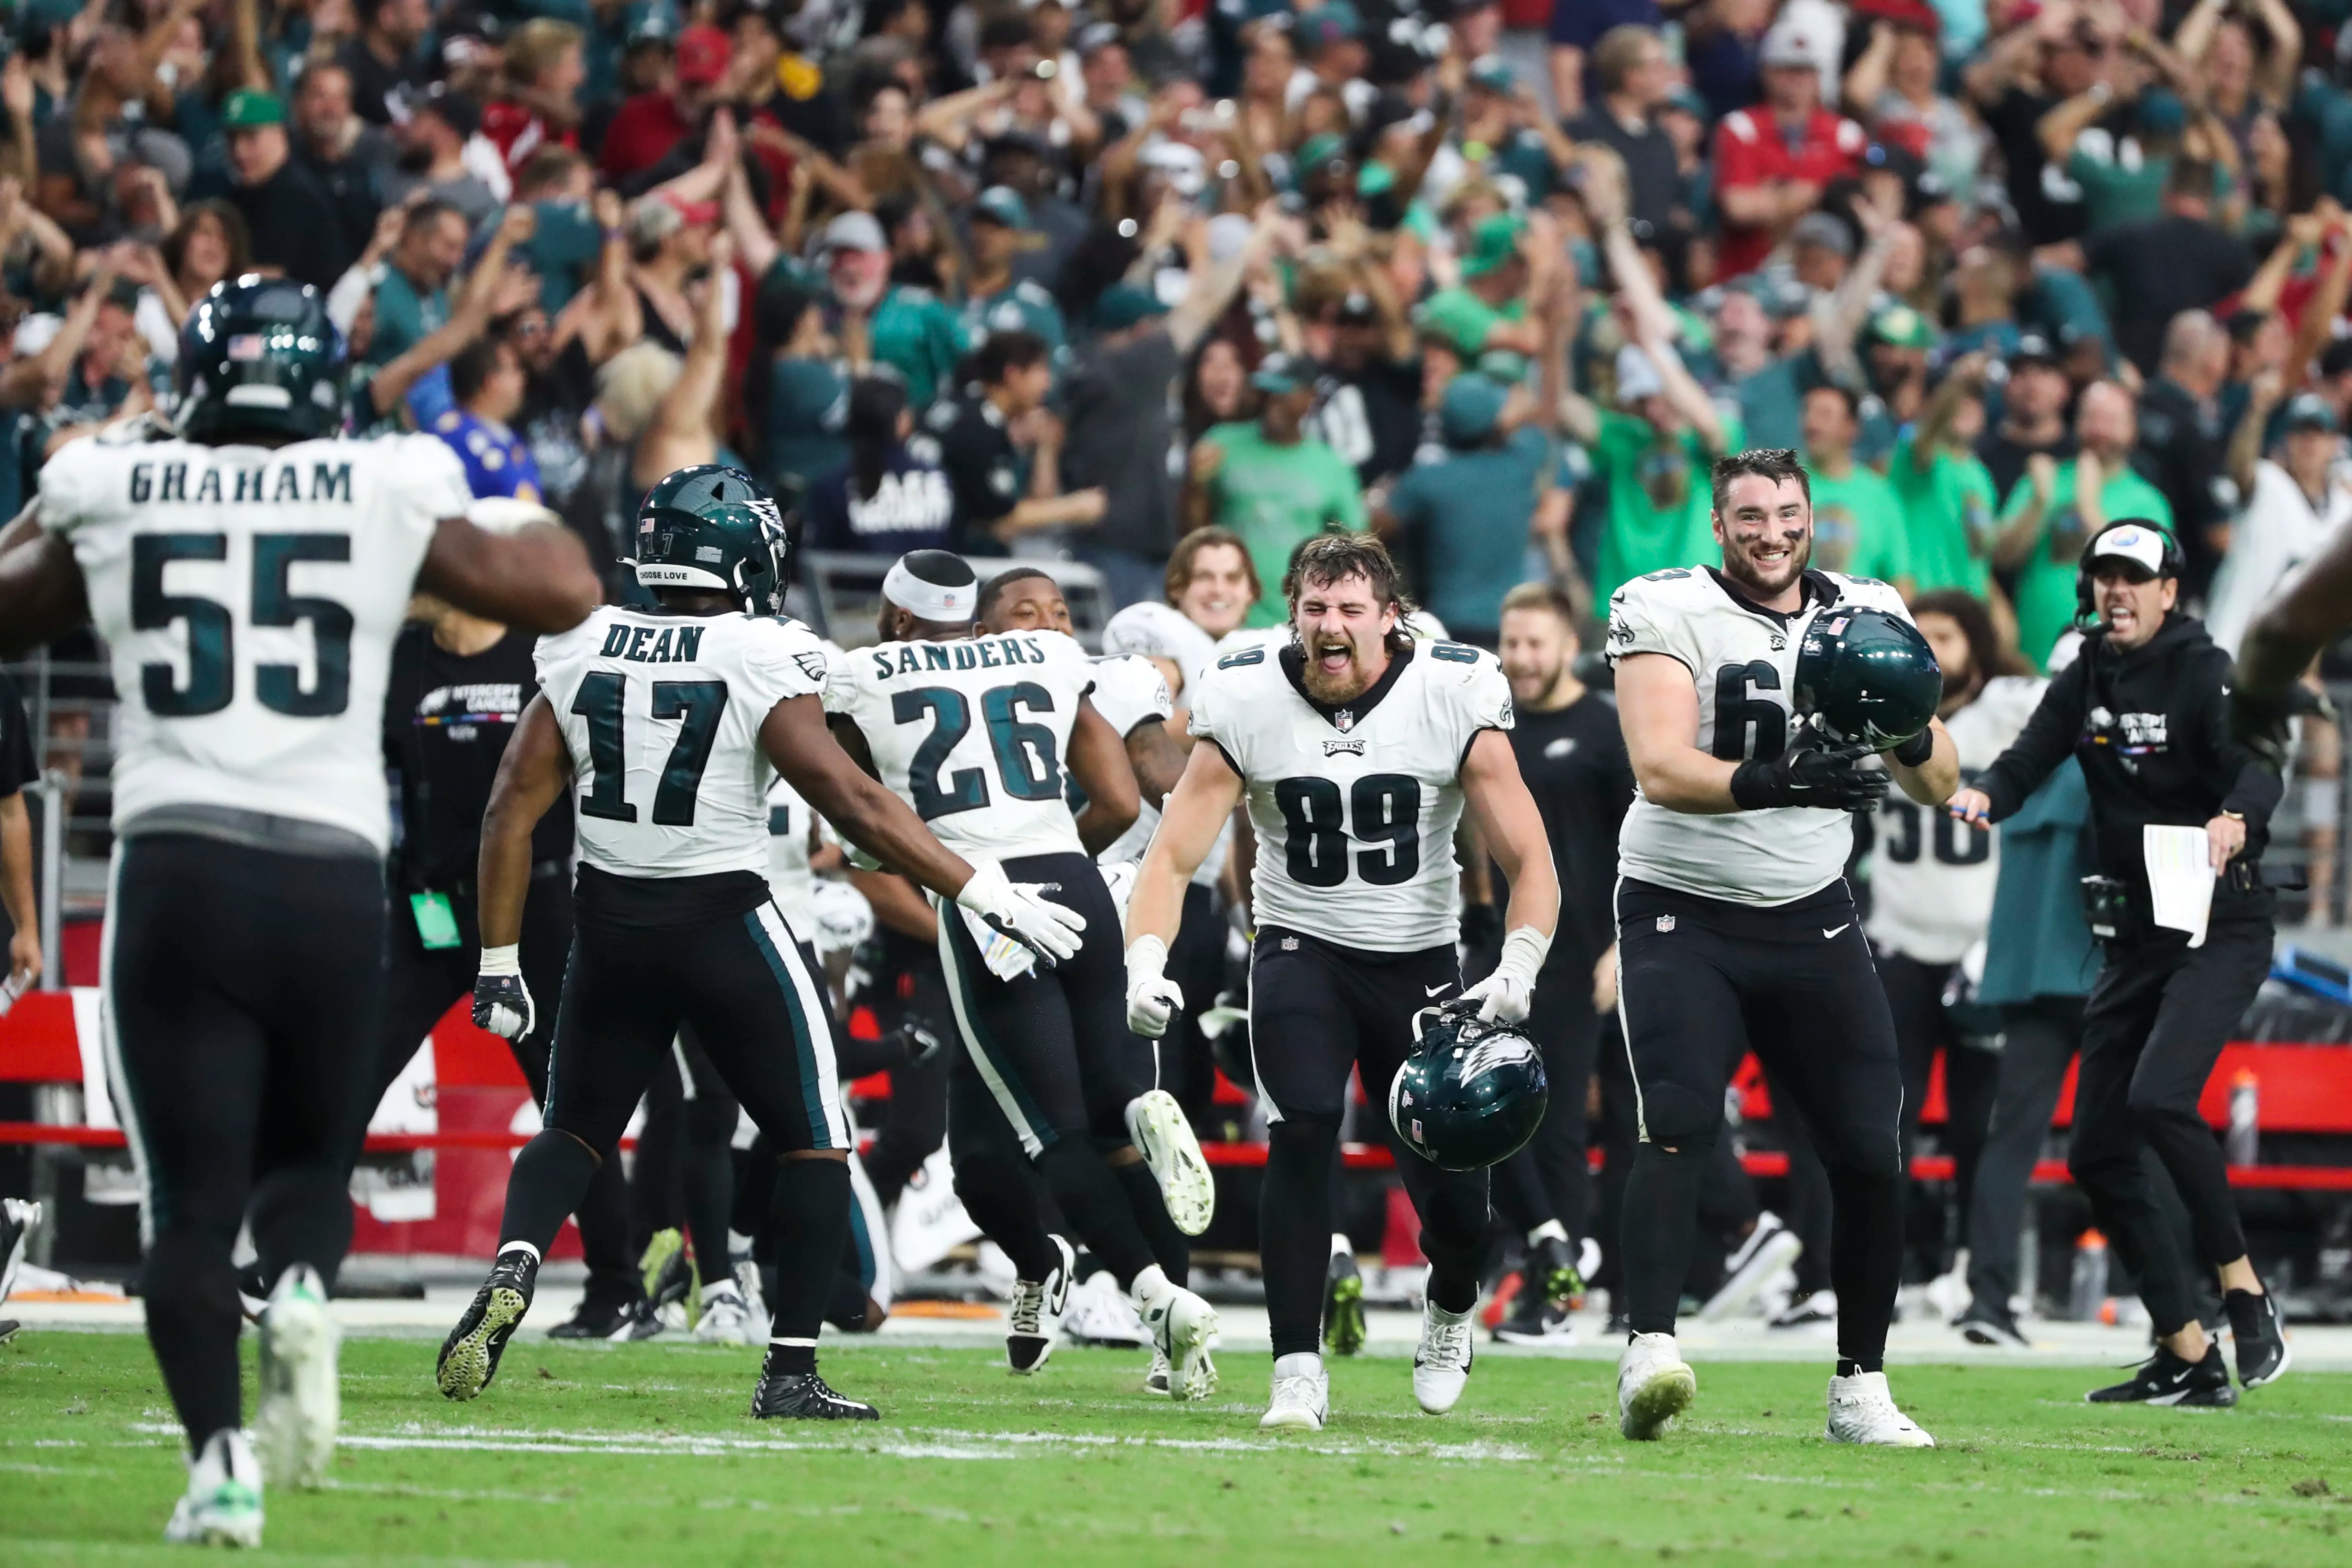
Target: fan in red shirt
1771,161
648,126
538,101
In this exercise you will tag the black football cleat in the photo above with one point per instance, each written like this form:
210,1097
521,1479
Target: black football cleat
616,1320
2165,1378
2263,1354
469,1357
803,1396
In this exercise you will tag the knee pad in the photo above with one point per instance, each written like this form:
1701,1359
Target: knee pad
1673,1113
1873,1154
1288,1141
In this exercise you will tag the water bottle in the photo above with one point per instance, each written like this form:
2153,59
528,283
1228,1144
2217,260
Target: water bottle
2241,1146
2090,1285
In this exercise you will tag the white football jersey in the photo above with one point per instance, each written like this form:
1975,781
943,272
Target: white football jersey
1744,662
1932,875
1130,691
250,597
1354,807
974,734
662,714
790,884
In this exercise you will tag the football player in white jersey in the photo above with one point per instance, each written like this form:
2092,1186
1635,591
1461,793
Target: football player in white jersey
1132,694
669,723
976,733
1735,927
1356,750
1931,887
249,573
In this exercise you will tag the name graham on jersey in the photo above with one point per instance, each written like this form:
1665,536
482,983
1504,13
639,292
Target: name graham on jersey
977,653
643,645
327,482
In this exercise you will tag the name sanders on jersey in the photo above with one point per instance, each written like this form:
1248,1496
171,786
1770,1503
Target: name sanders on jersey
328,481
976,653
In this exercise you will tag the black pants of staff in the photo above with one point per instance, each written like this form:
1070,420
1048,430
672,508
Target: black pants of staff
1915,996
2153,1026
422,984
2038,1039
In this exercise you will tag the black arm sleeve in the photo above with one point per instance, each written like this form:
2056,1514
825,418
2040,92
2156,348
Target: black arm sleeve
2047,740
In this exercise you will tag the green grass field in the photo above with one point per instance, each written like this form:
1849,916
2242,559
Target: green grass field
643,1454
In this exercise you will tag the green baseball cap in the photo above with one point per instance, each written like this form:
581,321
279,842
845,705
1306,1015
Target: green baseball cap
1471,408
250,107
1900,326
1494,242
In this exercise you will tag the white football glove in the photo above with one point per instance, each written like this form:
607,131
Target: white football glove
1504,995
1023,913
1152,999
502,1001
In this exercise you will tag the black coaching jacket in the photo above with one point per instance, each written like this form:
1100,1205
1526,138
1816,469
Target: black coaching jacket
2150,726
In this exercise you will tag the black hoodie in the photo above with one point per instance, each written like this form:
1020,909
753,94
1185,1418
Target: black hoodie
2150,726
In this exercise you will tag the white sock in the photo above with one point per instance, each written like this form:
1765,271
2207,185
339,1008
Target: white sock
506,1248
1551,1230
1339,1243
1150,1286
1300,1364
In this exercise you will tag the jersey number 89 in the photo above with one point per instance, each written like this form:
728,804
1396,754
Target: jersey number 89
1386,810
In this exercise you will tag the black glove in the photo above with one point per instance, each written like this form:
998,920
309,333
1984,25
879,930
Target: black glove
502,1004
1807,773
2264,726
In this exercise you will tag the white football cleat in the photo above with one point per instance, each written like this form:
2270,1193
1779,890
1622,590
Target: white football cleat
1768,1248
222,1506
1654,1385
1036,1312
1862,1410
1158,1379
19,1217
302,1394
755,1301
1164,1138
1098,1313
1301,1402
1441,1367
726,1317
1182,1325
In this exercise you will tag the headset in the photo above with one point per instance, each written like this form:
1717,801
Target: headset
2174,565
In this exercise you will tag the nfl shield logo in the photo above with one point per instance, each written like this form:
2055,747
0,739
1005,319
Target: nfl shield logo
1666,923
1344,719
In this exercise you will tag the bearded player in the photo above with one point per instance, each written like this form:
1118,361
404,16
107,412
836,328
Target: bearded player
1357,750
1737,930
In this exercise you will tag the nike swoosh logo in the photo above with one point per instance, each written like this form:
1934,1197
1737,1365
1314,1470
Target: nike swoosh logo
1434,990
1835,931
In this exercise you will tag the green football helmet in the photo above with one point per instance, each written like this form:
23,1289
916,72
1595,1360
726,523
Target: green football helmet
1867,677
260,353
715,528
1472,1093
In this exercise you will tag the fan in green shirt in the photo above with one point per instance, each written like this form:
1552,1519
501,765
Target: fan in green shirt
1947,493
1489,309
1653,461
2054,510
1273,484
1857,526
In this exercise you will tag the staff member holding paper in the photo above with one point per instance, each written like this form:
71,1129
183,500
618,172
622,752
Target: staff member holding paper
2145,711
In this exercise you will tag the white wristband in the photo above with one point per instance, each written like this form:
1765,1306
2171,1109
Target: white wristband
501,960
1147,959
1523,951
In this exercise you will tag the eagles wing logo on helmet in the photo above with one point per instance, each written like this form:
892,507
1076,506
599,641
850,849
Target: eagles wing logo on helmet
1867,677
1472,1093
